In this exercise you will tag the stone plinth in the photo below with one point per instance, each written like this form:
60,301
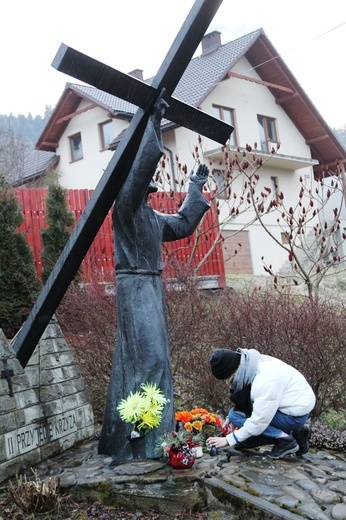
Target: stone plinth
44,408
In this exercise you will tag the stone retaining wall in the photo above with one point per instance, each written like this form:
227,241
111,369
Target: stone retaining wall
44,409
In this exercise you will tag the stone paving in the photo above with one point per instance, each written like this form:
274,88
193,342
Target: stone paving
312,486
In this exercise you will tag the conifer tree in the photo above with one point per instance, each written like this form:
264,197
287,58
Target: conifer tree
59,221
19,285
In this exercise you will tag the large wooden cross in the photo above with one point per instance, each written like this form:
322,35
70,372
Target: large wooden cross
144,96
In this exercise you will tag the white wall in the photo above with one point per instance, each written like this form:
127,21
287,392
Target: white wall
250,99
85,173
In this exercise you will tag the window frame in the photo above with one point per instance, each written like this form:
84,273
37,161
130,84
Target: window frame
266,136
275,184
76,155
102,134
219,111
220,181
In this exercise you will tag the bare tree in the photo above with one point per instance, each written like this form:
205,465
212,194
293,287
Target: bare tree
13,149
312,224
314,233
238,168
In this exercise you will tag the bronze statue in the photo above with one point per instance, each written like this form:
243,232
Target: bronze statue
142,345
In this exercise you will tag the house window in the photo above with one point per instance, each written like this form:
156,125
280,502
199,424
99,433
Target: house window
220,182
76,147
285,238
227,115
106,134
275,188
268,135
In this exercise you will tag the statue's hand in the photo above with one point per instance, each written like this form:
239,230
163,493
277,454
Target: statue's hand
160,107
201,174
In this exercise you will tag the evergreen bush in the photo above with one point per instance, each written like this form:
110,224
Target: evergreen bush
59,222
19,285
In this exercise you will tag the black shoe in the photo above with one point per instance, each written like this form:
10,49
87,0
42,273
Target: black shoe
283,446
302,436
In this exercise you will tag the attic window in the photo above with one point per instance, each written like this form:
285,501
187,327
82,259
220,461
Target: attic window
106,134
76,148
226,114
268,134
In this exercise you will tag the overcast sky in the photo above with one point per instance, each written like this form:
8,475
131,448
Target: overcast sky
310,36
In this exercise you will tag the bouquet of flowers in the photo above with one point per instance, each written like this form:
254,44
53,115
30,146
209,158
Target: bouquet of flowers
178,448
199,420
177,440
143,409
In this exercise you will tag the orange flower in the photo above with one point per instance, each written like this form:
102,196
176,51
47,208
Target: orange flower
198,418
218,421
183,416
198,411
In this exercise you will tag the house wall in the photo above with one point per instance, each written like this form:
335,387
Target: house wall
250,99
86,172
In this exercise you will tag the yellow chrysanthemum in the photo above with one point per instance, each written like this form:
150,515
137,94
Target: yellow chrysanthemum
131,408
151,391
149,420
154,408
143,409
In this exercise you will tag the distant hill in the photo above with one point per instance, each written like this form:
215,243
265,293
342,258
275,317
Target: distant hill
341,135
27,127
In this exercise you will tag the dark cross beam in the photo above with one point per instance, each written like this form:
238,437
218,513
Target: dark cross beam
105,193
124,86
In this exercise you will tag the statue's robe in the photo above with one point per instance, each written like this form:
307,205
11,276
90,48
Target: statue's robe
142,345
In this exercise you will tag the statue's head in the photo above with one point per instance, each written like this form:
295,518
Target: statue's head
152,188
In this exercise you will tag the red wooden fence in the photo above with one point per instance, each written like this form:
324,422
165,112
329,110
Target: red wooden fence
99,261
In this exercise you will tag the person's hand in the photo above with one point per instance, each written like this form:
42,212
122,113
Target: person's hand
160,107
227,427
201,174
218,442
225,423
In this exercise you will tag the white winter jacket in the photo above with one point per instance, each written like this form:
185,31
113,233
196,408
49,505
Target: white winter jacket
276,386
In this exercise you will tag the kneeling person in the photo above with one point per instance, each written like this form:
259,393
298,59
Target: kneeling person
272,402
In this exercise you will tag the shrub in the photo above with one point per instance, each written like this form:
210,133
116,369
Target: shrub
309,337
36,496
19,285
327,438
59,222
87,316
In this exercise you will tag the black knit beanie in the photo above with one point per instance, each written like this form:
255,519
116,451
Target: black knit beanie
224,363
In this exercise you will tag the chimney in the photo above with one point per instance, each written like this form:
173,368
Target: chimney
211,42
137,73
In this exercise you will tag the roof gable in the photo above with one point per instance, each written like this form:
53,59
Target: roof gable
206,71
200,77
36,164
